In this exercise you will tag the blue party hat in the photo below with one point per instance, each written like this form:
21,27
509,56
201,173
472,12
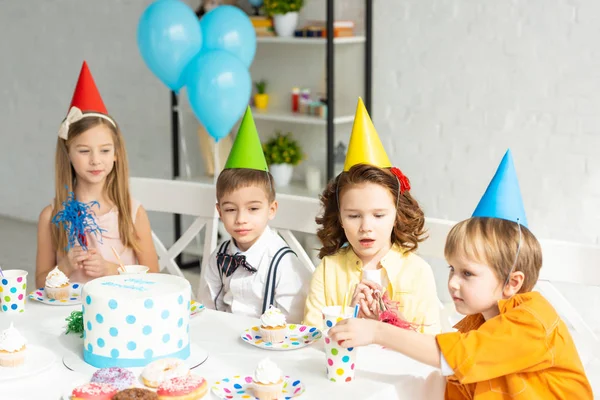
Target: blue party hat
502,198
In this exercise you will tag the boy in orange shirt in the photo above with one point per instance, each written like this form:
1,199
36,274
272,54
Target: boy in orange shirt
512,343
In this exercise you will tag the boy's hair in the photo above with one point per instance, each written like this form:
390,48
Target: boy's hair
408,230
236,178
116,185
494,242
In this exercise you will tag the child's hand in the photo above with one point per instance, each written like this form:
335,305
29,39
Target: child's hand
75,257
354,332
364,297
95,266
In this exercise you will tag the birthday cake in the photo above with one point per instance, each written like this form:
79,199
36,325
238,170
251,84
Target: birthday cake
131,320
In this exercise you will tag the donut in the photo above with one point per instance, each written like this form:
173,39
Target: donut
161,370
119,378
188,387
93,391
135,394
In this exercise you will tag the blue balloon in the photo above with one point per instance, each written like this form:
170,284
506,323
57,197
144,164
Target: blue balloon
168,37
218,88
229,28
256,3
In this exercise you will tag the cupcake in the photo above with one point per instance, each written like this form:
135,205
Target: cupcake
57,285
12,348
267,382
272,325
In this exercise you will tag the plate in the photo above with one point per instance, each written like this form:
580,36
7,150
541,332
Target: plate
37,359
74,297
239,387
75,362
298,336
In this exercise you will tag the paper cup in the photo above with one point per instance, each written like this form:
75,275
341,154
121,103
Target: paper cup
13,290
134,269
333,314
340,361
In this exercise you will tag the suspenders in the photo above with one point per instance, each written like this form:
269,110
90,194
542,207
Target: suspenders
269,294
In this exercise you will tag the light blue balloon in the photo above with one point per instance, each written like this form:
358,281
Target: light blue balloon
218,88
256,3
229,28
168,37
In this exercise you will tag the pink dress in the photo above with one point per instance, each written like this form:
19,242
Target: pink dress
110,238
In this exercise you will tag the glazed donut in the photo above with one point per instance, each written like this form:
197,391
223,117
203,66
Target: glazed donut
93,391
162,370
119,378
189,387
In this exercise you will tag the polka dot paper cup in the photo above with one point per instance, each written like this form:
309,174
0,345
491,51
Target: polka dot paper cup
13,289
333,314
340,361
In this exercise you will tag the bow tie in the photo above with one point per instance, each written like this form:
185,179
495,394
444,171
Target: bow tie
228,263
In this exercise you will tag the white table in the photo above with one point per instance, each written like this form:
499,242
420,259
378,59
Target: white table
380,374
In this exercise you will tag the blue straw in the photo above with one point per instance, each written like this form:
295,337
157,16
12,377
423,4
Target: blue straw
356,311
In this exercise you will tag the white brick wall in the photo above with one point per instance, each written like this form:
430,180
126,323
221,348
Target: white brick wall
456,83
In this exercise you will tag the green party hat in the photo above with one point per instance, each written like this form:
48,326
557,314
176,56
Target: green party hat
247,151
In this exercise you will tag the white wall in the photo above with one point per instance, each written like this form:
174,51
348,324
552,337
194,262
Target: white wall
455,84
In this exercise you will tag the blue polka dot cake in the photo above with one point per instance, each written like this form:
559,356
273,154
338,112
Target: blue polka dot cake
132,320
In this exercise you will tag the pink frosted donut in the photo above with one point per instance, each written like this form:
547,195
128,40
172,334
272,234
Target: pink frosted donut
119,378
93,391
185,387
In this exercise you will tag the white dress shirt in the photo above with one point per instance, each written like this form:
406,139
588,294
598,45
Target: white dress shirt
243,291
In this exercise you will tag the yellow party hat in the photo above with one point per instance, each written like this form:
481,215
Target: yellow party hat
365,146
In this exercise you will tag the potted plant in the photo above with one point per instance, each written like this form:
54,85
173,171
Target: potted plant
285,15
261,98
282,154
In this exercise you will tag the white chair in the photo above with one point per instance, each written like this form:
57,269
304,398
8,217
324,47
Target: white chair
296,214
178,197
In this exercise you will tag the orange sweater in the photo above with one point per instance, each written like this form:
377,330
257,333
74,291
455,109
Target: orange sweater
525,352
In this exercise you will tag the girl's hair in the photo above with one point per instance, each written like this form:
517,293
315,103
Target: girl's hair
408,230
116,185
494,242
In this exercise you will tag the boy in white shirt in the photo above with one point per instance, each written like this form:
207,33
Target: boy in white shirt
256,268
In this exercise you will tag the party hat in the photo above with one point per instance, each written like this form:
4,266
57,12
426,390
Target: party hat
247,151
502,198
365,146
86,102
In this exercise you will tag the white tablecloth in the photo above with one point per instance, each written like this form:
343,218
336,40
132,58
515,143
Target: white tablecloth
380,374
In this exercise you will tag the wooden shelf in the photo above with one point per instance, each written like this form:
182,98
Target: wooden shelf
292,117
309,40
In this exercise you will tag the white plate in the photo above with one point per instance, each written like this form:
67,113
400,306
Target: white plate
74,361
238,387
74,296
37,359
298,336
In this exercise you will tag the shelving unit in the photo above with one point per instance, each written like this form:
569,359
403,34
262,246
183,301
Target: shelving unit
286,116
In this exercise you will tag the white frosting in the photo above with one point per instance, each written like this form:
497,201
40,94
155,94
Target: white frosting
56,278
162,370
11,340
272,317
267,372
135,317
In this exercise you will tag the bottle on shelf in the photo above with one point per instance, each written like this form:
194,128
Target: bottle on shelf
295,99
